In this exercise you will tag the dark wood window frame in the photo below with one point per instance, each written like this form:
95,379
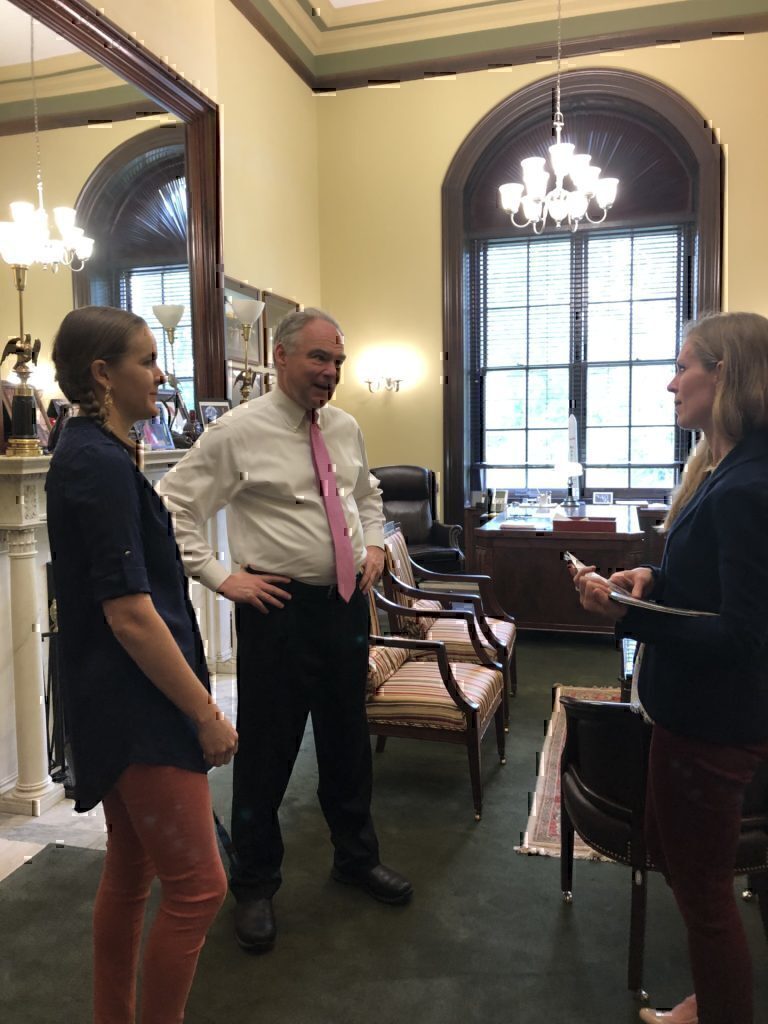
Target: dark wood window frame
84,26
97,201
670,111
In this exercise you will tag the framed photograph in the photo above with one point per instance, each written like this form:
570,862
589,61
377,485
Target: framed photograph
499,500
602,497
174,404
156,434
209,410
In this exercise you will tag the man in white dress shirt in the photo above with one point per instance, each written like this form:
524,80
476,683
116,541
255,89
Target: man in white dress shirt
302,648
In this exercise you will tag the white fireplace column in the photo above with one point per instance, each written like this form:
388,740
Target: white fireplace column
22,511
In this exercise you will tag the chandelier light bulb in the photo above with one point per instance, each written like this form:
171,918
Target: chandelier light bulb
560,156
511,194
564,206
26,239
605,192
64,217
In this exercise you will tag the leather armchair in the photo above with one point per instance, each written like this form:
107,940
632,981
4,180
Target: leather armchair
603,775
410,499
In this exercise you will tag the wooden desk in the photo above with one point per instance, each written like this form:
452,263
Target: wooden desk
530,577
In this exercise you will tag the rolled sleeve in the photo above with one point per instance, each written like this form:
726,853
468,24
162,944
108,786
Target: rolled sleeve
103,495
369,503
195,489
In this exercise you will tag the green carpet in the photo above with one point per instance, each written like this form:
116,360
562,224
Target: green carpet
486,938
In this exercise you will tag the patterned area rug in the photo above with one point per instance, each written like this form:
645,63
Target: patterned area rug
542,833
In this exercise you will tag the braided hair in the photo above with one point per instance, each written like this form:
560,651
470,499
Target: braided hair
86,334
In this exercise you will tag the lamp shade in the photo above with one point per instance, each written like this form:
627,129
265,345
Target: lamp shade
511,194
247,311
169,315
65,219
17,246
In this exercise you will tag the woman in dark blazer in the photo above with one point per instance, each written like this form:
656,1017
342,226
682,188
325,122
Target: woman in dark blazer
141,723
703,680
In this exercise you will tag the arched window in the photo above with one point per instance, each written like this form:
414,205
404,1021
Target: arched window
538,327
136,200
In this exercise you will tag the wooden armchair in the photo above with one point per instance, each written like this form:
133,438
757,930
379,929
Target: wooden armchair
448,702
496,630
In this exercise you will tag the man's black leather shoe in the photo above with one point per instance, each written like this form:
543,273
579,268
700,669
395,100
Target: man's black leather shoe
381,882
255,927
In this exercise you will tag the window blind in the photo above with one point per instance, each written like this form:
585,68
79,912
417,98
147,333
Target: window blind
144,287
585,324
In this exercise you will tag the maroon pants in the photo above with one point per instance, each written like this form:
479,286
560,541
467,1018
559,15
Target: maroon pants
693,820
160,823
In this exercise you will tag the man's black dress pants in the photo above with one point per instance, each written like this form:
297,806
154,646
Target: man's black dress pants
310,657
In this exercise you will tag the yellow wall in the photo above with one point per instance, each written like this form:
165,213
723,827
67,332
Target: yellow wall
383,156
182,34
269,164
269,136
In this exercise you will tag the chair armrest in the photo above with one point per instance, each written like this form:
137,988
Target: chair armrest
449,681
476,600
467,617
447,535
444,597
484,603
405,643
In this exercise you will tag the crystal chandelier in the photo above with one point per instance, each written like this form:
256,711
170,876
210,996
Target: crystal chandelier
26,239
560,204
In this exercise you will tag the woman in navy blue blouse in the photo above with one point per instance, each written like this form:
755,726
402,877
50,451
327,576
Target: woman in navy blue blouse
142,725
704,680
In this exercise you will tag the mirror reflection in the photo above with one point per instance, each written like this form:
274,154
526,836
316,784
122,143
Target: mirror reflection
108,151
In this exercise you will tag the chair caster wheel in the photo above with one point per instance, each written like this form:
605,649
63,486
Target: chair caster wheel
477,816
503,760
567,897
747,895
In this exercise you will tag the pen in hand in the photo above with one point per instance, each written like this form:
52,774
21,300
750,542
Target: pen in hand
578,565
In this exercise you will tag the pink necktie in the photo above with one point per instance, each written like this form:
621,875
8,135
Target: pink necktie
326,479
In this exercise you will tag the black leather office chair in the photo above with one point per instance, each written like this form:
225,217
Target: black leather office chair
410,499
603,774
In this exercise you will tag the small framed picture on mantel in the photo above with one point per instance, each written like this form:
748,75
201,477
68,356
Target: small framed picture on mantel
210,409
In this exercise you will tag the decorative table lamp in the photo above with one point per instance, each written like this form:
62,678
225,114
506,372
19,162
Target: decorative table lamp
169,317
247,312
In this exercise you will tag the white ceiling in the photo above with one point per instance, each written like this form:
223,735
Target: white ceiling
14,38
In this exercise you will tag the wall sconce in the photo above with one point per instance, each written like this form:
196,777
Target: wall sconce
387,383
